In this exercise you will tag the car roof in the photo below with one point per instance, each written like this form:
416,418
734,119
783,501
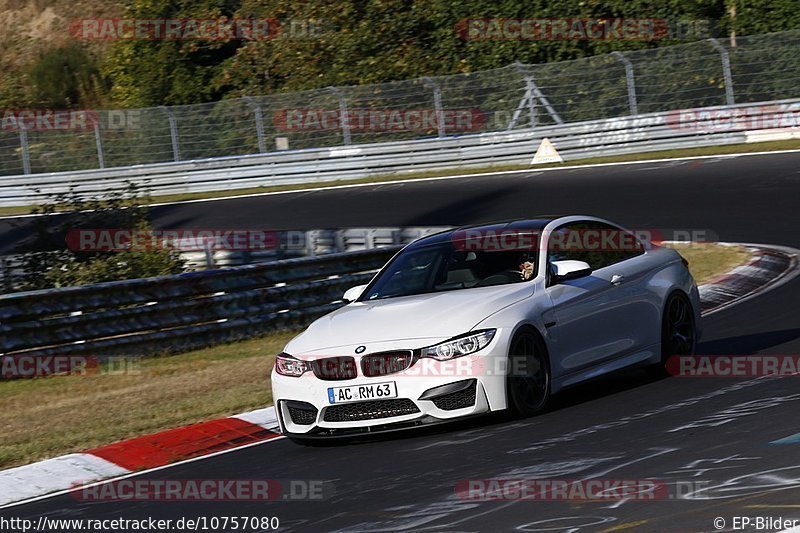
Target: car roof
529,224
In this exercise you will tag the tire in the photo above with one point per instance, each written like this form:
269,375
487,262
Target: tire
528,378
678,330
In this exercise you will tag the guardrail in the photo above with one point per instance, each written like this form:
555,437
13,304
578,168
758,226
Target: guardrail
706,126
288,245
178,313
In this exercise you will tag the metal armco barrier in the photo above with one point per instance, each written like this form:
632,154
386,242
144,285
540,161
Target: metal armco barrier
291,244
677,129
182,312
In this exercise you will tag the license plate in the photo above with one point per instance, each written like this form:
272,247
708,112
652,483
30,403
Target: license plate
359,393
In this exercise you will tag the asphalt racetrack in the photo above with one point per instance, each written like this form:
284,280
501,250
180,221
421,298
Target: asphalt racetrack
709,440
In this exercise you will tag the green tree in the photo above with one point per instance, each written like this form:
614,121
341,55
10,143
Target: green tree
151,72
375,41
749,17
65,77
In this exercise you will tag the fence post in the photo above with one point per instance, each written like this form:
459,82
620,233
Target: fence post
98,141
528,98
630,81
173,132
208,250
344,119
726,70
24,149
533,93
437,104
531,100
262,145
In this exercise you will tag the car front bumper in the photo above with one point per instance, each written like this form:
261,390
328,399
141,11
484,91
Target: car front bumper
417,403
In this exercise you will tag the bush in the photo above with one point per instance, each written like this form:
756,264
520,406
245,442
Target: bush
65,78
48,263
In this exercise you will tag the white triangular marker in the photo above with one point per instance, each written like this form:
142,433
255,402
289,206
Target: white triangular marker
546,153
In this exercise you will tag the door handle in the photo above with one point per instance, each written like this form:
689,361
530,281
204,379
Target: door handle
616,279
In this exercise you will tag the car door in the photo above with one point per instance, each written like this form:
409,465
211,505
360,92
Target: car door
630,271
593,314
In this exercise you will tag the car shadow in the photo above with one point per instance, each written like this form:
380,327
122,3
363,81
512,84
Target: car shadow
585,392
748,344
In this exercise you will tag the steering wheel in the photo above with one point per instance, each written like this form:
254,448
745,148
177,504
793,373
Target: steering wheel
498,279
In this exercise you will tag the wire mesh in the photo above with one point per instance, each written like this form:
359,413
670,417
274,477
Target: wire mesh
762,68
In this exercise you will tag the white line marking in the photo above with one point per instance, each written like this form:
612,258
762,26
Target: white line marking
54,474
141,472
265,417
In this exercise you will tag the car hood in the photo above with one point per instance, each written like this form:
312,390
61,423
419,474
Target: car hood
417,320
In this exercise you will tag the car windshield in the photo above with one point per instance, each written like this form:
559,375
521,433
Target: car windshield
445,267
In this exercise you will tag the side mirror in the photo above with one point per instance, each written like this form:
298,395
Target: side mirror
569,269
352,294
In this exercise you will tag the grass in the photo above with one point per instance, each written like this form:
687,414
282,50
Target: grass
690,152
709,260
51,416
62,414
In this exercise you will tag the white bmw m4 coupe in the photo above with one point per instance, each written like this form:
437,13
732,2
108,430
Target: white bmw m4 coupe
486,318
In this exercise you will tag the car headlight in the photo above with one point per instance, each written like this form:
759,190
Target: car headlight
460,346
286,365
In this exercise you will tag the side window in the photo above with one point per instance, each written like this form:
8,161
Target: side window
595,243
631,246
